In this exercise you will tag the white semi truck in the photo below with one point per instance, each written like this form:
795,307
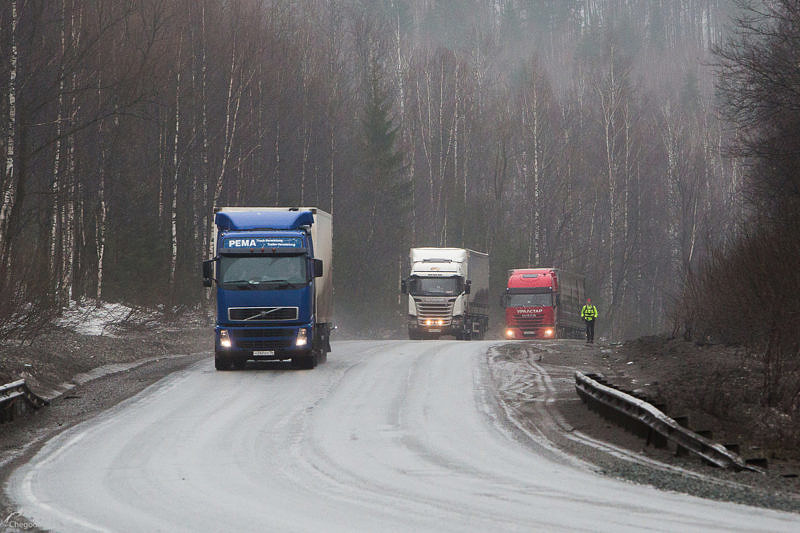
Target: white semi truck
447,293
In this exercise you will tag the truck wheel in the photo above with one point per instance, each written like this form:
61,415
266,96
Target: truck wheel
305,362
414,336
222,363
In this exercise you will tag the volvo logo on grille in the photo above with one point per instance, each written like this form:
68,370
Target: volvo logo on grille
262,314
245,314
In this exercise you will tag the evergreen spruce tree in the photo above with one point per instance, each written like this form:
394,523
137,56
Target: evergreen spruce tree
384,197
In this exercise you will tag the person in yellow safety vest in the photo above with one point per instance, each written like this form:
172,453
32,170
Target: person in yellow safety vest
589,315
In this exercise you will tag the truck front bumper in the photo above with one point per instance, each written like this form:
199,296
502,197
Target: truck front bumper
440,326
544,332
263,342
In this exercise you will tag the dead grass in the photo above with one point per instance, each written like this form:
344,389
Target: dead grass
719,387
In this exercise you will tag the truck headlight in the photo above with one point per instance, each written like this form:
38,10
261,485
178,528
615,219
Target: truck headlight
510,333
440,322
225,338
548,333
302,337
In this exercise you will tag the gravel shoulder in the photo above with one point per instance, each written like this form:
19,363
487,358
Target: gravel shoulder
535,382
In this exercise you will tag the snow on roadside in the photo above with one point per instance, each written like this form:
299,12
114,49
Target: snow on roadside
90,317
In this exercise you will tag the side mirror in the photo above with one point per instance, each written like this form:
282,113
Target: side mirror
467,286
403,287
503,301
208,272
317,268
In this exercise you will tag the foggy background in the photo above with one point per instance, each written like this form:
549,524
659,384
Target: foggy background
580,134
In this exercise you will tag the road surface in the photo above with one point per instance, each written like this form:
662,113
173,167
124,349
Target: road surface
385,436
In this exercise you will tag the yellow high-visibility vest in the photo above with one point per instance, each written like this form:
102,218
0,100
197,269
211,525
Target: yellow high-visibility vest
589,312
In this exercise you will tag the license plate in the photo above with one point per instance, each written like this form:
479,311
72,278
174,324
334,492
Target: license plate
529,333
264,352
435,330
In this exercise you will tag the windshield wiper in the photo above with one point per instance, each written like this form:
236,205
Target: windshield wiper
255,284
243,283
282,283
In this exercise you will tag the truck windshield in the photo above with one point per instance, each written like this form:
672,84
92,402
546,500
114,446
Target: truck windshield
435,286
263,272
530,300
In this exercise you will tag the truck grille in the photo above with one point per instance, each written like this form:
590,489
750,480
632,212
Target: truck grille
435,310
529,322
258,332
262,314
262,338
264,345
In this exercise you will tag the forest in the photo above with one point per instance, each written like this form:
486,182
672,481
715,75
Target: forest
621,139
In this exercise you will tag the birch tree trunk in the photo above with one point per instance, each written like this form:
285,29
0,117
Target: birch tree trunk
207,219
612,101
55,188
532,108
69,224
102,214
232,105
10,183
173,212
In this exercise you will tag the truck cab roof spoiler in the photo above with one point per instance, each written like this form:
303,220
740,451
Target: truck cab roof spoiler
263,220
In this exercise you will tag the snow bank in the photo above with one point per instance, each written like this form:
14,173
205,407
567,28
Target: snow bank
90,317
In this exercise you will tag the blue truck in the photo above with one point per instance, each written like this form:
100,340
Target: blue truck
273,276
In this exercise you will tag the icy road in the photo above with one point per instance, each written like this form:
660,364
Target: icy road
386,436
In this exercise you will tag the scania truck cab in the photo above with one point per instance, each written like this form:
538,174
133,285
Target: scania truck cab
448,293
272,269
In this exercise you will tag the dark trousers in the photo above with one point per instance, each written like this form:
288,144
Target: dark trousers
589,330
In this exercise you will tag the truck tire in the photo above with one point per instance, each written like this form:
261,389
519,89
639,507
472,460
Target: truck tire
306,362
467,333
221,362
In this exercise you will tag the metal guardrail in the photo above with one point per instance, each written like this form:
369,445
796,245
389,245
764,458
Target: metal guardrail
16,398
634,411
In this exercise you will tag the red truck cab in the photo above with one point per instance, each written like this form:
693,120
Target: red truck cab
543,303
